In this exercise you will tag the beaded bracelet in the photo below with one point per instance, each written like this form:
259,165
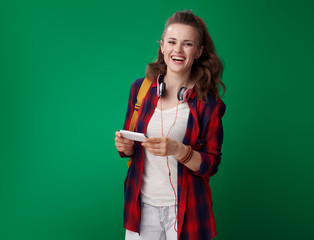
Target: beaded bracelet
187,157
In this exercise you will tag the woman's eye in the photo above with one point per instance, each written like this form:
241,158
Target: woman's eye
189,44
171,42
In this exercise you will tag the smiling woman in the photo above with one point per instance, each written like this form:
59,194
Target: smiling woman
206,71
167,195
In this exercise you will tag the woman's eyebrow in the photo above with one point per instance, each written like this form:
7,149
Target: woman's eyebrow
186,40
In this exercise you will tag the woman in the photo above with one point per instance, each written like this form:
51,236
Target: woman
167,194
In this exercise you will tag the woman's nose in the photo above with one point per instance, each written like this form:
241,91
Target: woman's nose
178,47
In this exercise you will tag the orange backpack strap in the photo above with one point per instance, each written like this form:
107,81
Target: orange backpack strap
139,99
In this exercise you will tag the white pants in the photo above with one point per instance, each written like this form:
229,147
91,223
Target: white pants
157,223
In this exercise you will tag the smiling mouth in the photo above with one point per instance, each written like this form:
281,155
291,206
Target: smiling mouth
178,59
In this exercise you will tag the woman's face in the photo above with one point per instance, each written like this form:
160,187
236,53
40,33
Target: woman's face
180,48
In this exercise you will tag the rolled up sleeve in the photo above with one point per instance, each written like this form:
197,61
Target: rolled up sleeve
209,144
130,109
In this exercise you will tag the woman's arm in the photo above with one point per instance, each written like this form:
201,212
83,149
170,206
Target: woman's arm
165,146
124,146
194,163
205,158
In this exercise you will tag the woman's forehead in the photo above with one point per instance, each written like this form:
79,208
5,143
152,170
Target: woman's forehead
181,31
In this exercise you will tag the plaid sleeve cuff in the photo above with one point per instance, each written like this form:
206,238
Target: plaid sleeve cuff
124,155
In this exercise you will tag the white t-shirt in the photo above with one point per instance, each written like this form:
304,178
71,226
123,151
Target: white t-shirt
156,188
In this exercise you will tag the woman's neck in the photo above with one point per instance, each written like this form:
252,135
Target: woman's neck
176,81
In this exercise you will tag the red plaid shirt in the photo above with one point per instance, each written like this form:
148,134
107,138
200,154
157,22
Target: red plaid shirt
204,134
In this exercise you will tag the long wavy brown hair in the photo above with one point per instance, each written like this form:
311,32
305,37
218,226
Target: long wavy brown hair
206,72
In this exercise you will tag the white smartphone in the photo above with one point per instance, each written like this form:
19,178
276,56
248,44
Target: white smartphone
140,137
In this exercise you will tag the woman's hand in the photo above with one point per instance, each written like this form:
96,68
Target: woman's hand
124,145
163,146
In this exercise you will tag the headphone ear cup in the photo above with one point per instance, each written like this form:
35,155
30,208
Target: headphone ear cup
162,89
184,94
181,93
161,86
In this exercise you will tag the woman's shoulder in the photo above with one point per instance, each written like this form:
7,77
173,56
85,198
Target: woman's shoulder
211,103
135,87
138,82
212,100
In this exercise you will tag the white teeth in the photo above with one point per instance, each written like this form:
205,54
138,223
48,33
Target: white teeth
178,58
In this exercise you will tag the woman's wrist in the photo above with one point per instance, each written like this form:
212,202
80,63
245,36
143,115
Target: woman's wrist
188,156
129,153
182,151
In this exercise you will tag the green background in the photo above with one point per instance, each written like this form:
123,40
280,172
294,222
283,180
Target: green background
66,69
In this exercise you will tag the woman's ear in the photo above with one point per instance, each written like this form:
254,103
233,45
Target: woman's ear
161,46
199,52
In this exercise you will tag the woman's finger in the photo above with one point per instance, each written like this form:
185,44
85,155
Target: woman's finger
155,140
124,147
124,140
152,145
119,137
156,149
118,134
155,152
